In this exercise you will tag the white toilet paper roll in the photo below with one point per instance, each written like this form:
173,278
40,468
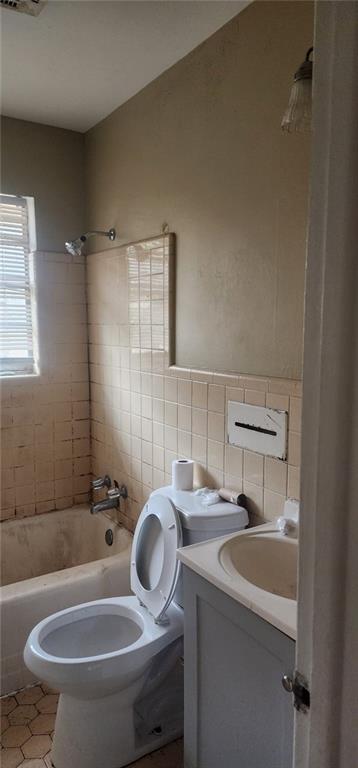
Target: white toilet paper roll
182,474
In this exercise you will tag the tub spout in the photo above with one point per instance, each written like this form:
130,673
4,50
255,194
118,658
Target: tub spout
112,501
104,506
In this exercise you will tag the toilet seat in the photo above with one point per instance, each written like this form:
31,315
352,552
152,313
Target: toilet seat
154,565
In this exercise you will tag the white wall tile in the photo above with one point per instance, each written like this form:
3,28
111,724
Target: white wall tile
199,421
199,394
216,398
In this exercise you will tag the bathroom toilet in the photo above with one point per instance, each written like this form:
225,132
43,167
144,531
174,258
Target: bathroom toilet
117,661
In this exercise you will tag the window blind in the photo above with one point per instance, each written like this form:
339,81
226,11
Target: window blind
16,322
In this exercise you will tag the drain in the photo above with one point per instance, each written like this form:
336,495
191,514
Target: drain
109,537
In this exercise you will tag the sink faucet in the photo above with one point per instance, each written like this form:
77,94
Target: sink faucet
113,495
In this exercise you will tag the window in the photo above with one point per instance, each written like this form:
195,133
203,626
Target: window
17,347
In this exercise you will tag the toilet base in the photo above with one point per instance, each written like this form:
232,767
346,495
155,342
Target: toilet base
94,733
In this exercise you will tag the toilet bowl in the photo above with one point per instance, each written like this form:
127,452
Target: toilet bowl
100,647
116,661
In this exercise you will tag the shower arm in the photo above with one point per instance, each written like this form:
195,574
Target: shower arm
110,233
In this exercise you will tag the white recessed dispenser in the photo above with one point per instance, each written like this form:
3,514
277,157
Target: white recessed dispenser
259,429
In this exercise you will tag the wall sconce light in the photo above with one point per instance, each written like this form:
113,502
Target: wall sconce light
298,115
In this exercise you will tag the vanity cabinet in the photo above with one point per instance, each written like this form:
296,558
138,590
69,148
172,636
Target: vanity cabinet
237,713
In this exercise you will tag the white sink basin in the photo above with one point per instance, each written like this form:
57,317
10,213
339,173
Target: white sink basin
267,560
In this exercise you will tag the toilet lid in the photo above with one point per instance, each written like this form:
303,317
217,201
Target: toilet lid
154,565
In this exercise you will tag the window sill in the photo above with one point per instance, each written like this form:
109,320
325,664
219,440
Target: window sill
12,376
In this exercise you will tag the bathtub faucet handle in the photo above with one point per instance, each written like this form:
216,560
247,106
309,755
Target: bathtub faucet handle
101,482
117,492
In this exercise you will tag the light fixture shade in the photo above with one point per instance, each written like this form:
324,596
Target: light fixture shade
298,115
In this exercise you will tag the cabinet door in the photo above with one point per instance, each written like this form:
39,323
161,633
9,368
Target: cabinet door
237,714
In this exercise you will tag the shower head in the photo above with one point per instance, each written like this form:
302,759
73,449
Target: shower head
74,247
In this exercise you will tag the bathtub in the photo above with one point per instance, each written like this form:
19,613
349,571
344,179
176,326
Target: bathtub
51,562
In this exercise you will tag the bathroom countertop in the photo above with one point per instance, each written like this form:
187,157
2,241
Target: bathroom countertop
203,559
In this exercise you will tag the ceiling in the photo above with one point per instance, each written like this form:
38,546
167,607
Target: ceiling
80,59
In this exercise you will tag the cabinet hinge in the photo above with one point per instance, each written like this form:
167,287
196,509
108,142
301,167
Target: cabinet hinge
299,687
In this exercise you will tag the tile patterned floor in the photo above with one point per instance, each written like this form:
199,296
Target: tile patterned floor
27,723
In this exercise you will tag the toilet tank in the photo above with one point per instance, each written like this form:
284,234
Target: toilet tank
201,522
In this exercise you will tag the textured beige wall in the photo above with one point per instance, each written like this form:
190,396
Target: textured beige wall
45,163
201,148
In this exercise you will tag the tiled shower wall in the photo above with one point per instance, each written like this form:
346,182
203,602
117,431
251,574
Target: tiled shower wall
145,414
45,457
